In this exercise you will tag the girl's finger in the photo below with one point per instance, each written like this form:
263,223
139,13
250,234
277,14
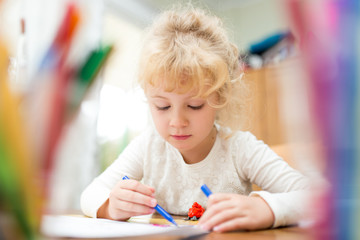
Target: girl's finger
135,197
136,186
218,197
215,209
219,218
121,215
138,209
234,224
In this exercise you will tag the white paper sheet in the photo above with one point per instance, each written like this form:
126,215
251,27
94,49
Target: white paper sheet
82,227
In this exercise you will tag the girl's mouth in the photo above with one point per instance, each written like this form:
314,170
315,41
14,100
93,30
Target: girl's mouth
180,137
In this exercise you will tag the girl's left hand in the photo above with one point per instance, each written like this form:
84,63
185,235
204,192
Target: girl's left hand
229,212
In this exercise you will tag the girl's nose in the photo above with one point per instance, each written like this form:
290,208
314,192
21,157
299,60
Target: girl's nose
178,119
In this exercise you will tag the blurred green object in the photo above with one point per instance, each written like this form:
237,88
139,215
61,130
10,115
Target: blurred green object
111,149
11,192
85,77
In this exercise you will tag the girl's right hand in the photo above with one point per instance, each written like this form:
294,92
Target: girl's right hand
128,198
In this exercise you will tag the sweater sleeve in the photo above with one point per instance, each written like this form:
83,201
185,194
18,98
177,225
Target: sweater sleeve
284,189
128,163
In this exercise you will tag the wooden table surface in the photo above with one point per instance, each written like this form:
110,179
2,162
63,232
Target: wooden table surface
278,233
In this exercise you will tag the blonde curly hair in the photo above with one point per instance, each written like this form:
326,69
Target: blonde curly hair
188,48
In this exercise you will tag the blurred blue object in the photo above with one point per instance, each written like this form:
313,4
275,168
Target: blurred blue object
267,43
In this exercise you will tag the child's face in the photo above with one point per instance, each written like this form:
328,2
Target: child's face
182,120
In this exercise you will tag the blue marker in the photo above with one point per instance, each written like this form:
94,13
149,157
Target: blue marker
206,190
160,210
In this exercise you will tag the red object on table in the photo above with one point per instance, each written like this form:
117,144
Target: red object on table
196,210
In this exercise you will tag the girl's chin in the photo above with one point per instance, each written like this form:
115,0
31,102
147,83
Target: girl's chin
180,146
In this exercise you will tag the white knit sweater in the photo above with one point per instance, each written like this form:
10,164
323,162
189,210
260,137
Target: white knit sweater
232,165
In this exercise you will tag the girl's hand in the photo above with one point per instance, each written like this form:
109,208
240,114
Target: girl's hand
128,198
229,212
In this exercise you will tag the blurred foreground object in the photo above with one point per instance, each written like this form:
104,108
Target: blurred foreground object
329,36
33,120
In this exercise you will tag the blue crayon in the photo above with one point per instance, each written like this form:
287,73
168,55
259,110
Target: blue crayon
206,190
160,210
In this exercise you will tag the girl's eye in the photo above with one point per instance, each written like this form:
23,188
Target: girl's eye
162,108
196,107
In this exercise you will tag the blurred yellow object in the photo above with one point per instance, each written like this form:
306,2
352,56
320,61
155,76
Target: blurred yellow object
22,196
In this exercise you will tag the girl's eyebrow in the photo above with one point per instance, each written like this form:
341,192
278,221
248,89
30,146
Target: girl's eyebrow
165,98
158,96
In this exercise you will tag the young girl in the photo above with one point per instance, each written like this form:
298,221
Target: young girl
191,77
